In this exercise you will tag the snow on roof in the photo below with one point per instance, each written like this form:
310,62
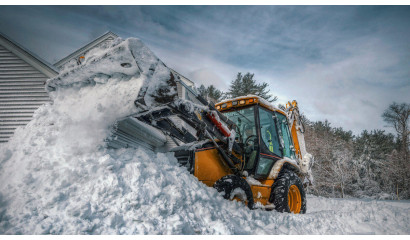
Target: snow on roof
260,99
42,65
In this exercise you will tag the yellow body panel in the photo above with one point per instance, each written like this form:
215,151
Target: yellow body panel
261,194
209,167
267,182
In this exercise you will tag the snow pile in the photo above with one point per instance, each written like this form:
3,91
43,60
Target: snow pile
57,178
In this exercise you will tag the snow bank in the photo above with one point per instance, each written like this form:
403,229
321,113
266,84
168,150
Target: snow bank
57,178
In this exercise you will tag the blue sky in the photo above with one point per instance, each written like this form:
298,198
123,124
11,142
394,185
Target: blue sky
342,63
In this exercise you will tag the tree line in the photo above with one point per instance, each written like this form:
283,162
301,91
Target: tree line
373,164
243,85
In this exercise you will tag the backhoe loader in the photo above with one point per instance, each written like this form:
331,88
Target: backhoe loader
267,172
245,148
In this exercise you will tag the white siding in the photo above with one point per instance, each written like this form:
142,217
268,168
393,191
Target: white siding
21,92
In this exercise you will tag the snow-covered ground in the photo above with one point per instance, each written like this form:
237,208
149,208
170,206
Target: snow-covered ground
140,192
56,176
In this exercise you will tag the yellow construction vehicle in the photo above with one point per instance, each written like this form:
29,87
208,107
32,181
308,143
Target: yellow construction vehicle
244,147
268,171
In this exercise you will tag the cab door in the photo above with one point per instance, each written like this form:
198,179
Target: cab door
271,148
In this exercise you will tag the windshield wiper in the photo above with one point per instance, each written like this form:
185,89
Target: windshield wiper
243,116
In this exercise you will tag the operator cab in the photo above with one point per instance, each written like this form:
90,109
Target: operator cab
261,130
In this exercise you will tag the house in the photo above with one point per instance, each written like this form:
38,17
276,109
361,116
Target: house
22,79
23,75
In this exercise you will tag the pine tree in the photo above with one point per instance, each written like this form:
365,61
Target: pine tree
214,93
210,93
245,85
202,91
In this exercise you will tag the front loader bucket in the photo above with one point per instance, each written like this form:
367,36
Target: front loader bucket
124,61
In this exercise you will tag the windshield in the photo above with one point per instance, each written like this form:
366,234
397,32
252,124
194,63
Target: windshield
245,122
246,134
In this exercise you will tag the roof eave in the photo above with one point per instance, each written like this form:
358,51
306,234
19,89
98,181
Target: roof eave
31,58
85,48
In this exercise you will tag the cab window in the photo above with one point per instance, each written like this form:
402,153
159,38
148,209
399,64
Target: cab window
284,132
245,122
269,134
246,133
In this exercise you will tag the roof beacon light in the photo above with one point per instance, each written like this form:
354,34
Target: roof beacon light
234,103
251,100
242,102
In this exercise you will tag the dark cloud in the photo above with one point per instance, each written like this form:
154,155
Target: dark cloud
343,63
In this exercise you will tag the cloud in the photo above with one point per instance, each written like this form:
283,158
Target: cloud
198,67
47,32
342,63
351,92
208,77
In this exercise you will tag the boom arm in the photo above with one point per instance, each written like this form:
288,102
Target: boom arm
209,124
297,130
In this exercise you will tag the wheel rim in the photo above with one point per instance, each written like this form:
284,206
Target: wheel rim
294,199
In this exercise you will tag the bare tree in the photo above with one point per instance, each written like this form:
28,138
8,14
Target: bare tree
397,115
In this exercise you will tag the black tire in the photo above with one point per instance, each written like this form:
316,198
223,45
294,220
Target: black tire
229,183
286,180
